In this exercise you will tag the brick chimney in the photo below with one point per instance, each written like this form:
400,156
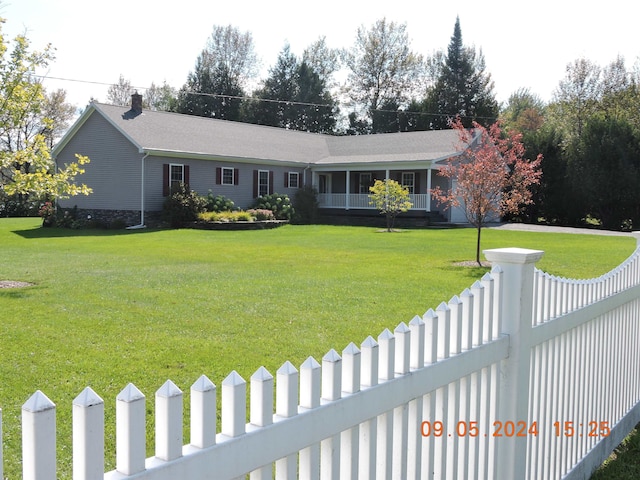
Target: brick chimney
136,103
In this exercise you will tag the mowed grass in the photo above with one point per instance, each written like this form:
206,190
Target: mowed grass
108,308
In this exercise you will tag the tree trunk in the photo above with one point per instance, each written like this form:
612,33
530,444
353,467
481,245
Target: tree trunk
478,246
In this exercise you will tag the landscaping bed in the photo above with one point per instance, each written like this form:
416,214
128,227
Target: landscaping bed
239,225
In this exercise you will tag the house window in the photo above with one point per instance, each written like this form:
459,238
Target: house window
365,183
263,183
292,180
176,176
409,181
227,176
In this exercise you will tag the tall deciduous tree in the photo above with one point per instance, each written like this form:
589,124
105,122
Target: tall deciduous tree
26,167
492,178
162,98
233,52
463,87
59,112
120,93
577,97
222,72
383,70
323,60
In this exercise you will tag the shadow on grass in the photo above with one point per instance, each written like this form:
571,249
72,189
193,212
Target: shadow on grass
474,271
41,232
624,462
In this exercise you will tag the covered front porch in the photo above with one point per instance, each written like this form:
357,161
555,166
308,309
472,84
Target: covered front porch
347,201
349,189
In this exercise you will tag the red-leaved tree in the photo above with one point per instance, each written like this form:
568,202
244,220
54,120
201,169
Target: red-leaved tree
492,177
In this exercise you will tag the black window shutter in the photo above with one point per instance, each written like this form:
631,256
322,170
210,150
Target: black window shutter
270,182
286,179
236,175
186,176
165,180
255,184
218,175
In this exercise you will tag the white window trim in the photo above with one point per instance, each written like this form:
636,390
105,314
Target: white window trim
260,194
222,177
295,175
171,165
412,186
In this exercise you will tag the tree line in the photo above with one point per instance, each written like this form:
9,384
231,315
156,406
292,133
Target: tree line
589,137
388,86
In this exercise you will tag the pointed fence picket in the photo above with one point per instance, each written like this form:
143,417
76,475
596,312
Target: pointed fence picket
522,375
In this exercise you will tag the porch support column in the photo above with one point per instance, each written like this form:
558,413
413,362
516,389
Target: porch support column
346,200
429,189
386,174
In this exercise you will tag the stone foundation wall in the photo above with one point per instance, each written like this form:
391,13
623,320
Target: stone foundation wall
115,218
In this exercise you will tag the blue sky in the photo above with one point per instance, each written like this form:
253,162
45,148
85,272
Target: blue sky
526,44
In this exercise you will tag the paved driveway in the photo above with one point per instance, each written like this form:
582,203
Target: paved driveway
545,228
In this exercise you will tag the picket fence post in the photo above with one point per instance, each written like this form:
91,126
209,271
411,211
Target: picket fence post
131,436
168,426
286,407
88,436
310,381
203,413
39,438
517,306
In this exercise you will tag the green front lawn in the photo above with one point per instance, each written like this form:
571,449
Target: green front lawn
109,308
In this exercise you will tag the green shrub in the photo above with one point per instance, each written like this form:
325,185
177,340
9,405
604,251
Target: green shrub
306,206
236,216
218,203
280,205
182,206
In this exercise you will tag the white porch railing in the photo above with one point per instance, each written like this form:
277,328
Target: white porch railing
361,201
521,376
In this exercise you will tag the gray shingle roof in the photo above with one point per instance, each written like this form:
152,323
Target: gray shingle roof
172,133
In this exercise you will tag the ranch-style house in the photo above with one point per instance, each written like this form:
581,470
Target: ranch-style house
137,155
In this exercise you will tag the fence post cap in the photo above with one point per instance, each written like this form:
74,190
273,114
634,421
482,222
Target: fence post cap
38,402
513,255
87,398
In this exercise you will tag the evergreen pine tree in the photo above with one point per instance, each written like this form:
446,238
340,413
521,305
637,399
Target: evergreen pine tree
463,88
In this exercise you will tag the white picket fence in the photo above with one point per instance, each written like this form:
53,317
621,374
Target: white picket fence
521,376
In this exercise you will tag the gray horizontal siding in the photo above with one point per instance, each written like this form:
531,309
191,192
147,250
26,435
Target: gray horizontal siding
114,170
202,179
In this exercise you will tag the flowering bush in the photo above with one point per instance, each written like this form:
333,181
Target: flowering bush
48,214
218,203
280,205
260,214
